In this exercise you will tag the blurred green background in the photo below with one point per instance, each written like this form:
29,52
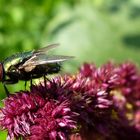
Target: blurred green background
91,30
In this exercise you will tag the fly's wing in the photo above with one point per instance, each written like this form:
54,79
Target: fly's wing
40,57
35,54
43,59
45,49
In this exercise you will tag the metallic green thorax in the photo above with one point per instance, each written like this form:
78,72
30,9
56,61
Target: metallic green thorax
16,59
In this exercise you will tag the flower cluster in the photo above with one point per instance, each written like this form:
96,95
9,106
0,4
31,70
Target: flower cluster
96,103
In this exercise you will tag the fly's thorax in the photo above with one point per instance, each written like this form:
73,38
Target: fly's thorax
1,72
9,64
15,60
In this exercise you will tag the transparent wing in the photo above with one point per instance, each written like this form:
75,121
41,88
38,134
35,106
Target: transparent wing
43,59
45,49
51,59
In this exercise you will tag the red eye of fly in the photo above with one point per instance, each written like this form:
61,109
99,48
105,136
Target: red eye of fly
1,71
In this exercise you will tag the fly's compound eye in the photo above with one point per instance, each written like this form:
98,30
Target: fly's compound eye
1,72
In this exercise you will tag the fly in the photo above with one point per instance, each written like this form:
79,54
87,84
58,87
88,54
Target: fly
30,65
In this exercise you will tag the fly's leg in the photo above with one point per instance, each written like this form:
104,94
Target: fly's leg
45,81
6,90
31,82
25,84
8,81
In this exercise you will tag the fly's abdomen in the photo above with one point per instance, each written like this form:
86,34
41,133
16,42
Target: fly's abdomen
53,68
46,69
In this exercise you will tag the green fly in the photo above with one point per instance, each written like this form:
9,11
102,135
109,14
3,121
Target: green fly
30,65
